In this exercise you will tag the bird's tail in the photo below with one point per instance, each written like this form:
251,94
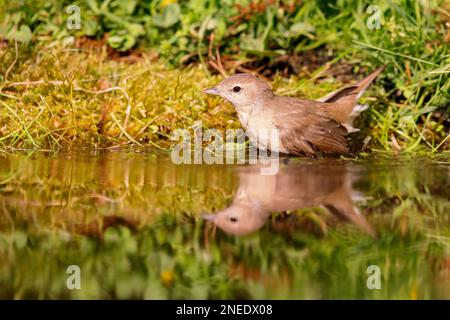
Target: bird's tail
354,91
364,83
343,107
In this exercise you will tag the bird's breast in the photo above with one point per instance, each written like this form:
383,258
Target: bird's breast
262,132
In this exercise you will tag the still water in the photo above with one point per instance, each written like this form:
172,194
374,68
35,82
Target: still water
138,226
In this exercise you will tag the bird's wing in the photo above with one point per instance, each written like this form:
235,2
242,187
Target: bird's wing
306,128
355,90
342,103
339,94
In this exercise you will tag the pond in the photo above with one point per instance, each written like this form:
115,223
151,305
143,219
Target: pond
135,225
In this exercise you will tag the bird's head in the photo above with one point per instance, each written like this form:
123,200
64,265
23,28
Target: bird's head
242,90
244,216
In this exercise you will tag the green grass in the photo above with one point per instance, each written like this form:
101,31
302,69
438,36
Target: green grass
81,97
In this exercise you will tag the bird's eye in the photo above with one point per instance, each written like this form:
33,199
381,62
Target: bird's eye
237,89
233,219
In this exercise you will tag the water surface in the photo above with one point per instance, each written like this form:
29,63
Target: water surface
139,226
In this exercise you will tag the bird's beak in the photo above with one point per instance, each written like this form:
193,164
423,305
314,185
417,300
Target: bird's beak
209,217
213,90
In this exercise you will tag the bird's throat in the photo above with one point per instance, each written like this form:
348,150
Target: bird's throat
243,118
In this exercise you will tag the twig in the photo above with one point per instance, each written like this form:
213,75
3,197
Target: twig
395,144
15,60
145,127
215,66
32,83
441,143
219,62
215,61
123,130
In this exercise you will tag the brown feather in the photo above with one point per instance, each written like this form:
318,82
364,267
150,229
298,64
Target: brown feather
341,93
342,101
306,127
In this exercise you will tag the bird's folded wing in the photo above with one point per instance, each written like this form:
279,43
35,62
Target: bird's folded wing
339,94
309,130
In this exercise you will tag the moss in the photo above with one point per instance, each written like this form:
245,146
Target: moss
63,99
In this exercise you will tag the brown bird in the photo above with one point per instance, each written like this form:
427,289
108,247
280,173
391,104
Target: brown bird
304,126
328,185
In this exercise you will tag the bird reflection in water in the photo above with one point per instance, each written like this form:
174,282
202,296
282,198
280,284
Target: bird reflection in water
296,186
